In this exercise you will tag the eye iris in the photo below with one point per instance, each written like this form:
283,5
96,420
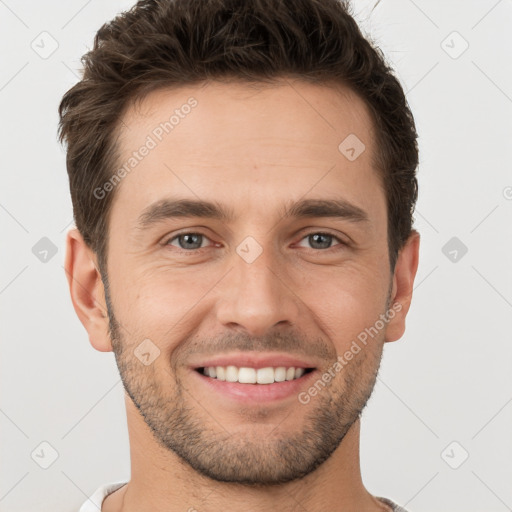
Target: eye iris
188,237
314,239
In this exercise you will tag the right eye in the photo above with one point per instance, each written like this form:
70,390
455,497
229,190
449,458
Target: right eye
189,241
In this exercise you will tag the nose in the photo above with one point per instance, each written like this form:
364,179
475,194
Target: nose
258,296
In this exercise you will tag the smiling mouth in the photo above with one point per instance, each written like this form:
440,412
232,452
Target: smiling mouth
248,375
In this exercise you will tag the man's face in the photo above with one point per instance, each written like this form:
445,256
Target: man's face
206,290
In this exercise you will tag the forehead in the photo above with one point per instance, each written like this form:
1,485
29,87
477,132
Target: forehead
319,115
247,144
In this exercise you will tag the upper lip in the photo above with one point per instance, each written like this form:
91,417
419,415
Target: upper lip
256,360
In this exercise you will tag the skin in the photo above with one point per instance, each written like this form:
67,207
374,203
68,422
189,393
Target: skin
253,151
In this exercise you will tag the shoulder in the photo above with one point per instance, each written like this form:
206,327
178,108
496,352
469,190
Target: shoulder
392,504
94,502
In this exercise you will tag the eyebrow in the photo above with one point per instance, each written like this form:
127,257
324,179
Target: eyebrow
308,208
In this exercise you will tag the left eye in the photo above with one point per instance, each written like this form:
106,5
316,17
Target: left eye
194,241
321,240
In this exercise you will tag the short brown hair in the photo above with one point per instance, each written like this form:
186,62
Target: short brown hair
169,43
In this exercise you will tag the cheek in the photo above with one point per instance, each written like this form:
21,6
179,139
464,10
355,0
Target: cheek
158,303
149,291
346,302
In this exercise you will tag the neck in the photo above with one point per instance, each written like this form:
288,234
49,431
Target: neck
160,480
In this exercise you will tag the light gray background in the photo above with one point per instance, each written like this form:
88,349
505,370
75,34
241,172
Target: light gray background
448,379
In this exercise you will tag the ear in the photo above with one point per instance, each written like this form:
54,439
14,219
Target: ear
87,291
403,281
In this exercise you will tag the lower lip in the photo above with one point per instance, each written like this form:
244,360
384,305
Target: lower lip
259,393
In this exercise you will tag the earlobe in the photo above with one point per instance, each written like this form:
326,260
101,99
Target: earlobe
403,283
87,291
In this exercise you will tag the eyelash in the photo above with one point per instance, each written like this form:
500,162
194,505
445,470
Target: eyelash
167,243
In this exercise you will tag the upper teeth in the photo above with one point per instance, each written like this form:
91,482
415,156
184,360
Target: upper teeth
246,375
